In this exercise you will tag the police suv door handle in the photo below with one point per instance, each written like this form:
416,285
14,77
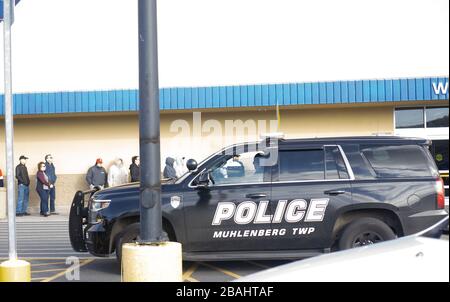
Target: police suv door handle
256,195
334,192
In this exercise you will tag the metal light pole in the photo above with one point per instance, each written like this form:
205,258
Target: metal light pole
152,258
8,6
13,270
149,128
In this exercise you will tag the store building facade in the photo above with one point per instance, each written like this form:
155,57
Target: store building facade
78,127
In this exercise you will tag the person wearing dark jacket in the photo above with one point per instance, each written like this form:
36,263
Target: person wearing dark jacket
23,181
50,171
135,169
43,186
96,176
169,171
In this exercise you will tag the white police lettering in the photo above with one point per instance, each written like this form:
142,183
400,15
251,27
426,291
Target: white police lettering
252,233
245,212
302,231
294,211
248,212
278,216
224,211
316,210
261,217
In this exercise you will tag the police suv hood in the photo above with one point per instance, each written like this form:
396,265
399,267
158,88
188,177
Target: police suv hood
129,188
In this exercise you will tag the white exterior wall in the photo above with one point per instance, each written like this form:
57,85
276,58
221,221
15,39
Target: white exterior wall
62,45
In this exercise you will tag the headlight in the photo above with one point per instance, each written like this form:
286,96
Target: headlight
96,205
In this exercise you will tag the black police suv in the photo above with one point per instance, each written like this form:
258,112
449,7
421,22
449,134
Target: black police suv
277,199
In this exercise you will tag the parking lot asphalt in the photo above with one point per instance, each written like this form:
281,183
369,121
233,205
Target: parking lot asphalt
45,244
107,270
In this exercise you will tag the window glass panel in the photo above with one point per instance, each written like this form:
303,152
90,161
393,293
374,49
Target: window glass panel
302,165
398,161
335,166
439,149
244,168
409,118
437,117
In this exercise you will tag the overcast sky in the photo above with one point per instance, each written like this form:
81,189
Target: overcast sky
62,45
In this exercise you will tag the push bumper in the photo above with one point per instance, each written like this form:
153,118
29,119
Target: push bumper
97,240
85,237
77,221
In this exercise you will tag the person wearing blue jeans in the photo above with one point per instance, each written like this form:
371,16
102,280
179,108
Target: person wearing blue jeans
43,187
22,200
23,181
50,171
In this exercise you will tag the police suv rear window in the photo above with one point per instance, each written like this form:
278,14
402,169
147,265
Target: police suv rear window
397,161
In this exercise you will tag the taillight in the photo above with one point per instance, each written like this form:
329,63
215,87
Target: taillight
440,190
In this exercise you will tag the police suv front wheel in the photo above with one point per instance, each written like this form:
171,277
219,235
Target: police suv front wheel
128,235
365,231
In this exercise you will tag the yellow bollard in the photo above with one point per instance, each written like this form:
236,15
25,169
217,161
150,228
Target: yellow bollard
15,271
161,262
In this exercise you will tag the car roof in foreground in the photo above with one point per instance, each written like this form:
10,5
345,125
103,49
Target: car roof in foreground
409,258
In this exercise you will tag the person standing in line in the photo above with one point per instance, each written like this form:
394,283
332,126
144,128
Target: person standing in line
135,169
50,171
97,176
180,166
169,171
117,175
43,187
23,181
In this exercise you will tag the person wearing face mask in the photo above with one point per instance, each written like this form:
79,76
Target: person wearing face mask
96,176
117,175
134,169
43,186
50,171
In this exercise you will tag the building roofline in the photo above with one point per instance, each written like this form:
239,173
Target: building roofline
243,96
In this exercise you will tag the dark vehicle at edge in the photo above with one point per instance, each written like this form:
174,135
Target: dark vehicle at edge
317,196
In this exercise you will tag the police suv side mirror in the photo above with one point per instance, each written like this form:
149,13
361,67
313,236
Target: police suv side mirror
191,165
204,179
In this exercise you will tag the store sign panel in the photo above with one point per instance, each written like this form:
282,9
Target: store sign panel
440,88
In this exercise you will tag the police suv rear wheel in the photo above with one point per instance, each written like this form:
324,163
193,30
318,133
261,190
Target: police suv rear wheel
365,231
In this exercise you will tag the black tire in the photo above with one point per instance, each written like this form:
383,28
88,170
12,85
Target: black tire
365,231
129,235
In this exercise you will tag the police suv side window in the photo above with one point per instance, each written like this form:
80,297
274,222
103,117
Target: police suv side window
239,169
301,165
334,164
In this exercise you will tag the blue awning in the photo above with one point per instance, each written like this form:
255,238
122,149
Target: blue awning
341,92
